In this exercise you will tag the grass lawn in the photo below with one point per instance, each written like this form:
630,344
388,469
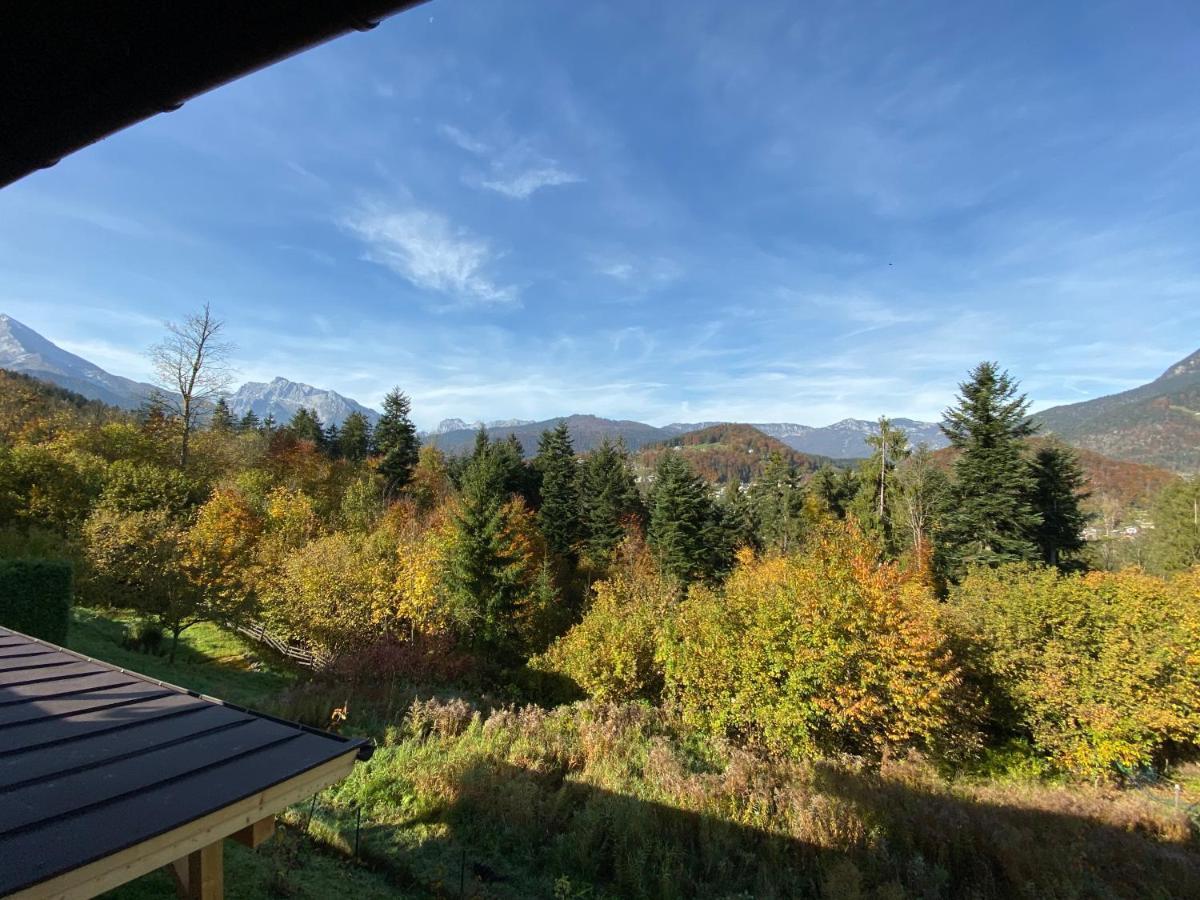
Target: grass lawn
210,660
221,664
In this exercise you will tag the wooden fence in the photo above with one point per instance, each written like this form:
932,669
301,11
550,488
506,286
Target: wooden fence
301,655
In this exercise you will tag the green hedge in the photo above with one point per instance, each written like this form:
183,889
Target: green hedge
35,597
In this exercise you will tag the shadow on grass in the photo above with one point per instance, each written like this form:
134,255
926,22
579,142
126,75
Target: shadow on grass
513,832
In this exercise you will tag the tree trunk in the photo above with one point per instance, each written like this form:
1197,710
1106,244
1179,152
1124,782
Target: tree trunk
175,631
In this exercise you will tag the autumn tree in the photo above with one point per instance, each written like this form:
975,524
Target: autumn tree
191,366
396,443
875,505
921,488
826,651
990,518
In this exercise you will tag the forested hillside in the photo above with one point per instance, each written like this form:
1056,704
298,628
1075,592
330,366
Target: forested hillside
1157,423
723,453
784,686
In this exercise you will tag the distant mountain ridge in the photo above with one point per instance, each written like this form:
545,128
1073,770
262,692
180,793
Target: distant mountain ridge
1157,424
282,399
24,350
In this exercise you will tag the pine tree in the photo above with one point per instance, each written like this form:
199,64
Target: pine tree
396,443
1058,490
685,529
222,419
355,440
776,502
306,426
482,578
331,440
608,498
268,424
990,518
833,490
519,477
558,514
249,422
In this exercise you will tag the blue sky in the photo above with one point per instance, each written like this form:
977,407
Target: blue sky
666,211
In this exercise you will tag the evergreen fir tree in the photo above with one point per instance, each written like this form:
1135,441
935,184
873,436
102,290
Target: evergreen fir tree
558,514
396,443
1058,489
222,419
331,440
355,440
249,422
834,489
990,518
306,426
268,425
685,529
608,498
482,576
737,517
777,504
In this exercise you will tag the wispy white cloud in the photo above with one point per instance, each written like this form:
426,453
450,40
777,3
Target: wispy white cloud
522,184
427,250
513,167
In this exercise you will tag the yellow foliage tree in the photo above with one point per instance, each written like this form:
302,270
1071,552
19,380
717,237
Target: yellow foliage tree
825,651
1099,670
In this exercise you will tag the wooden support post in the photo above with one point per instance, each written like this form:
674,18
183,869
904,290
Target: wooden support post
259,832
201,875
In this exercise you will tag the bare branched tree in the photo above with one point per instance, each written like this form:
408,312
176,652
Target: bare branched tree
192,370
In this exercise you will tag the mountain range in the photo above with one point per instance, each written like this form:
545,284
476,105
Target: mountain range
24,350
1156,424
282,399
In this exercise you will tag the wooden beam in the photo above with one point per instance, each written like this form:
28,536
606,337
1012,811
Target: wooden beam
258,833
162,850
201,874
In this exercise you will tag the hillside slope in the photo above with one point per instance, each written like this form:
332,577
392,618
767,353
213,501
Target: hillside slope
721,453
25,351
1157,424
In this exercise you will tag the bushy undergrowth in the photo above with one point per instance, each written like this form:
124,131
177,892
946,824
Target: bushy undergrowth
600,800
1099,670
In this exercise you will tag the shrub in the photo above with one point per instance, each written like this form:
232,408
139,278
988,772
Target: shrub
1098,669
828,651
611,653
35,597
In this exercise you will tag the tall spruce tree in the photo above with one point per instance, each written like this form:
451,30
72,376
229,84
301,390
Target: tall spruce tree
354,443
1058,489
396,443
776,500
249,422
331,440
608,498
222,419
558,515
685,530
306,426
483,577
990,518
